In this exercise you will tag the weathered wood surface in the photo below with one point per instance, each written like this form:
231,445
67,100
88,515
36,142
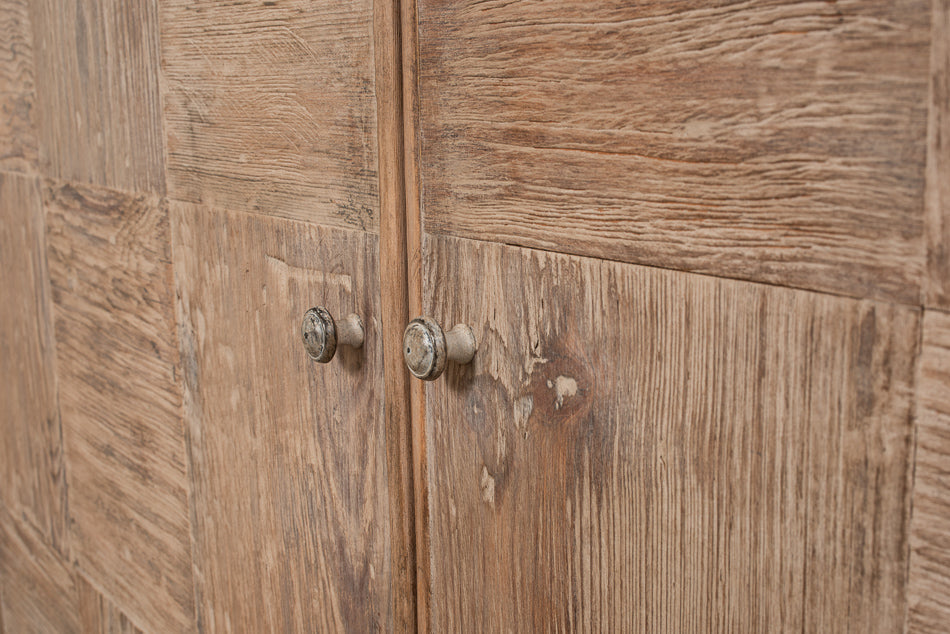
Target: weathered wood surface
929,583
17,126
637,449
775,141
291,522
98,107
31,454
97,615
38,587
270,107
409,41
937,288
120,397
40,592
394,304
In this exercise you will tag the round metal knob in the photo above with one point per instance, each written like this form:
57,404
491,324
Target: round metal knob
426,348
321,334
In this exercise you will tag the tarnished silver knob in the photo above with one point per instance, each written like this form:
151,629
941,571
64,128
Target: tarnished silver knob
321,334
426,348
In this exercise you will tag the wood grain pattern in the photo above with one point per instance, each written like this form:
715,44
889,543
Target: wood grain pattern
98,107
270,107
98,615
411,184
291,522
117,354
937,288
637,449
31,454
39,589
929,583
18,144
394,302
774,141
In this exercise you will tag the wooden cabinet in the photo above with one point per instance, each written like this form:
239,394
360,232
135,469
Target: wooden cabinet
701,245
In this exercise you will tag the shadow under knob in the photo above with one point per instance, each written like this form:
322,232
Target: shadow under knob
322,334
427,348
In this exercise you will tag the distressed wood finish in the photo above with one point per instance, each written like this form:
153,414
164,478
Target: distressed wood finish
291,522
17,130
774,141
394,302
929,585
39,589
270,107
41,592
31,458
117,354
97,615
636,449
937,289
99,113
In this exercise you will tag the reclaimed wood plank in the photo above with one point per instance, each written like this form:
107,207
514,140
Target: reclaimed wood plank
775,141
97,614
39,588
640,449
18,143
118,364
270,108
289,468
32,480
929,583
937,287
97,84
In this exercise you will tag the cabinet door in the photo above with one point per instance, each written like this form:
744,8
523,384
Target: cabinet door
641,447
272,169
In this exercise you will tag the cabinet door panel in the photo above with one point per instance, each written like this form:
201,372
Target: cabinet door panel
638,449
288,456
773,141
270,107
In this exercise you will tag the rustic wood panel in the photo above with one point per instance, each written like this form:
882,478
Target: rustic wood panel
929,585
39,588
270,107
775,141
117,354
637,449
937,289
31,460
17,129
98,106
394,301
291,523
98,615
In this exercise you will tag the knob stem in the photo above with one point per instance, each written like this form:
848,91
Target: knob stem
460,344
349,331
